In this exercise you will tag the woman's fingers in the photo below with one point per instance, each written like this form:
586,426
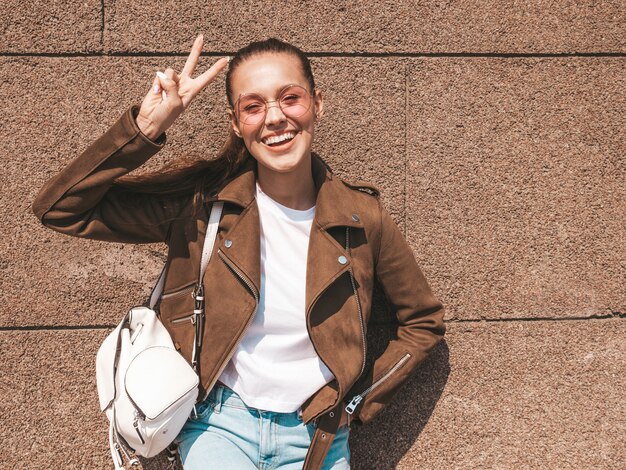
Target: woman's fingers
172,75
180,90
192,60
169,83
209,75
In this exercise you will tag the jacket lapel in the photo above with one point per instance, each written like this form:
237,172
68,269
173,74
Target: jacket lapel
241,242
242,245
327,259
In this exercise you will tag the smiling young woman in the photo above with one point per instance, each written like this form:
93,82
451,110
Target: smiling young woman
284,170
289,293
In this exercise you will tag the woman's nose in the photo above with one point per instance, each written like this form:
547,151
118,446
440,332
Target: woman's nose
274,114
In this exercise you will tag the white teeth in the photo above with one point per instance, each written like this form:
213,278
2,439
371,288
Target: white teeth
279,138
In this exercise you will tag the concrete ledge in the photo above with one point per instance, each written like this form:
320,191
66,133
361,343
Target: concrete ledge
51,416
319,26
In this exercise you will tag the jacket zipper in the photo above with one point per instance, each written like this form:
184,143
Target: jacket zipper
189,318
186,318
225,259
358,304
357,398
179,292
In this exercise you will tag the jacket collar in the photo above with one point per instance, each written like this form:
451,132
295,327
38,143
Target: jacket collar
335,204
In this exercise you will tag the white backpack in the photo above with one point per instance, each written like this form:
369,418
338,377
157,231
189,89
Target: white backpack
145,386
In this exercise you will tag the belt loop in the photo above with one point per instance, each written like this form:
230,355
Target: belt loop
219,392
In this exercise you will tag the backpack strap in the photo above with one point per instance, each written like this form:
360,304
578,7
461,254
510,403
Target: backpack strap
209,241
198,292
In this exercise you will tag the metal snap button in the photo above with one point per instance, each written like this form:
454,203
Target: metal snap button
228,243
332,414
323,436
355,217
342,259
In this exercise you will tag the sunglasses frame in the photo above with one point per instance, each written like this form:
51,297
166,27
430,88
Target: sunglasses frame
282,90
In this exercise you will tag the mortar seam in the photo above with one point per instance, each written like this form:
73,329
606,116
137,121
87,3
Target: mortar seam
613,314
501,55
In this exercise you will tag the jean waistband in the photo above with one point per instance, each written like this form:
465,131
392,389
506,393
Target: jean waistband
221,393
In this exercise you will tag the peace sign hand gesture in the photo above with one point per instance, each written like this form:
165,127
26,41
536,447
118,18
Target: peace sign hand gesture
171,93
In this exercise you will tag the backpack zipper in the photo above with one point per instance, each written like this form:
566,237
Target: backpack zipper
136,426
350,407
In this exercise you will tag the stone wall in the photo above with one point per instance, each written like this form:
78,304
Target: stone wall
495,131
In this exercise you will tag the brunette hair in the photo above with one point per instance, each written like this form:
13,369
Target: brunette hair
194,175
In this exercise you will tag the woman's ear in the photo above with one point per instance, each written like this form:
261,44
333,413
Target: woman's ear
318,99
233,122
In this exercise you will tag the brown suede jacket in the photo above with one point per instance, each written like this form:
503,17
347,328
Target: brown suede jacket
353,241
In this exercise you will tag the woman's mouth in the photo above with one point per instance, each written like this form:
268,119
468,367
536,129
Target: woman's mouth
280,142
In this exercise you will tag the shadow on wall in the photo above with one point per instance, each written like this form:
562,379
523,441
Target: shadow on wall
383,442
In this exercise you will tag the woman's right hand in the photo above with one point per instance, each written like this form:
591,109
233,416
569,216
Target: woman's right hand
157,114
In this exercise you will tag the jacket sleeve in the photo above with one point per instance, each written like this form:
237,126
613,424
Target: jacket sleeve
81,200
419,317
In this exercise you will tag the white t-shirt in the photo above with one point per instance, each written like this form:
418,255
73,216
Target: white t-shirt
275,366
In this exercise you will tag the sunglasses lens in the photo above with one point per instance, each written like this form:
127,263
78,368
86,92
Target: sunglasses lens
251,109
295,101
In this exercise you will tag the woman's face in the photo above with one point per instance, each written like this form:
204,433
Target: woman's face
267,75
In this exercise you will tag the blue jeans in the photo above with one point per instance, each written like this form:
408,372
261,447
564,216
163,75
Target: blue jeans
228,435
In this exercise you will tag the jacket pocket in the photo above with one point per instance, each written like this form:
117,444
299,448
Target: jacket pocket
185,319
356,399
188,290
